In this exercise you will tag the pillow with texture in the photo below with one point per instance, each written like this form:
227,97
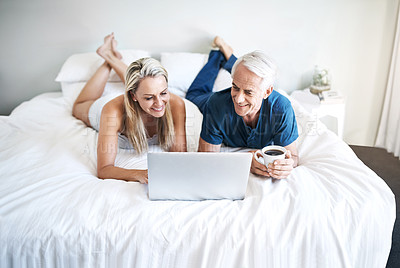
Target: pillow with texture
183,67
80,67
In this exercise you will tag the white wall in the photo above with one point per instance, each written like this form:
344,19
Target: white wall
352,37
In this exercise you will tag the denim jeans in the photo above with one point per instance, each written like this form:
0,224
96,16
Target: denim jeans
201,88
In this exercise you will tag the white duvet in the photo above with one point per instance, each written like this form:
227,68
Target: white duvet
332,211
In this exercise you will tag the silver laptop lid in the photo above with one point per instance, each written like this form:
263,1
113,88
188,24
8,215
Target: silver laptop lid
198,176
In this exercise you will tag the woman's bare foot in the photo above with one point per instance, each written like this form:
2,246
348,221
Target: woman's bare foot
109,48
105,50
223,47
114,49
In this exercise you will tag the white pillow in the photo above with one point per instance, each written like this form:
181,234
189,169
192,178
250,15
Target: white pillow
177,91
71,90
183,67
223,81
80,67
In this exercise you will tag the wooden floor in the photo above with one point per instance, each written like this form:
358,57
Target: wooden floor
388,168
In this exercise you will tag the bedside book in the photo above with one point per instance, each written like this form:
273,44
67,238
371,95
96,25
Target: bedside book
330,97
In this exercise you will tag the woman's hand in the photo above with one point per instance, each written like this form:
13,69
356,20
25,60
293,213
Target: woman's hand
141,176
117,173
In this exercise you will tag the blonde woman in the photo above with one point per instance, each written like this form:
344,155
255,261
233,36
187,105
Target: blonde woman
145,114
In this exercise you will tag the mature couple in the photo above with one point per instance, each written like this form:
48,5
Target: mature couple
249,114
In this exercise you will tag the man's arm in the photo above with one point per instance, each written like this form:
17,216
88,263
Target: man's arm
208,147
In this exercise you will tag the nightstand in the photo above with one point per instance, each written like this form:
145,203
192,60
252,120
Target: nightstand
330,113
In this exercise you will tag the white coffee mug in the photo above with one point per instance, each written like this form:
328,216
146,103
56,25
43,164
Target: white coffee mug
269,154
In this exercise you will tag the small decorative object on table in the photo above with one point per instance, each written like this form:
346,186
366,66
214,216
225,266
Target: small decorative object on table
330,97
321,81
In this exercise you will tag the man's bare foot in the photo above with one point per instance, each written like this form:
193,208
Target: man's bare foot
223,47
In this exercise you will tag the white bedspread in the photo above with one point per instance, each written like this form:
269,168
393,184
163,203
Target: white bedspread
332,211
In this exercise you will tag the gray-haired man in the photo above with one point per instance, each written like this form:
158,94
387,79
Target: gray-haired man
250,113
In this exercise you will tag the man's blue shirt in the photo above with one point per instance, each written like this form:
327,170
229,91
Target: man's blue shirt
276,124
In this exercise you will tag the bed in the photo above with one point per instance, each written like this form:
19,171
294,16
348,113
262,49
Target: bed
332,211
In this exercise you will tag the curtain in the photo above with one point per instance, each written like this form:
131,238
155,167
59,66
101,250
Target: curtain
389,129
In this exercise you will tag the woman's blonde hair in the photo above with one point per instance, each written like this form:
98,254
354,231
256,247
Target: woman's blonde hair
134,126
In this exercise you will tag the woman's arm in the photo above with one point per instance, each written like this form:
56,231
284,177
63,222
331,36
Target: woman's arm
179,116
107,147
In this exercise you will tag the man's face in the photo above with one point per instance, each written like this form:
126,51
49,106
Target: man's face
247,94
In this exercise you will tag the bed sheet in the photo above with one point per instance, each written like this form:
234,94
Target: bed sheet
332,211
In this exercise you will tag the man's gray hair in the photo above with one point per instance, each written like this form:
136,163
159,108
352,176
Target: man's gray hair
261,65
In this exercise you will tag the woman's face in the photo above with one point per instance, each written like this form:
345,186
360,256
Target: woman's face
152,95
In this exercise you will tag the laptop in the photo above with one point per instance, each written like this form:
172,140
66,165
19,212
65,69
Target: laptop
198,176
